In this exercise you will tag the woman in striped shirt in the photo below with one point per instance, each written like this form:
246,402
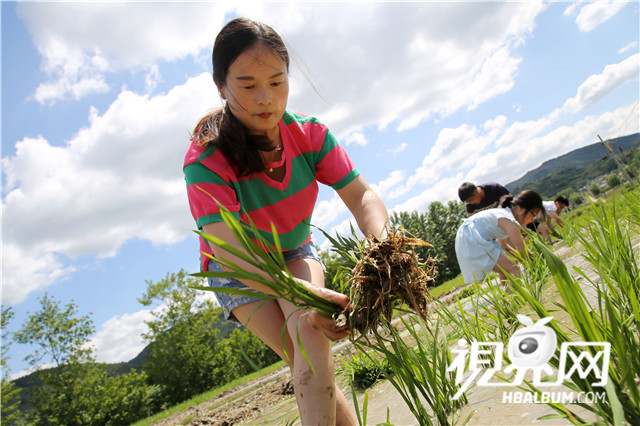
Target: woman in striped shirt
263,161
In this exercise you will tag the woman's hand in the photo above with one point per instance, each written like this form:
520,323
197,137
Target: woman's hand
327,325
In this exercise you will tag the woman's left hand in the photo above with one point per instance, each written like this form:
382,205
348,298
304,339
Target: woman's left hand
327,325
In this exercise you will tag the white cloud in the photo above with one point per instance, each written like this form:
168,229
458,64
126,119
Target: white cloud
442,190
452,44
628,47
118,179
521,147
24,272
465,47
357,138
593,14
519,154
120,338
390,187
327,211
599,85
455,149
82,42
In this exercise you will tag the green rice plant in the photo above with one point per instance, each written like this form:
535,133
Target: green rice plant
534,270
469,291
348,247
612,317
419,370
488,316
608,247
363,370
632,199
567,233
592,325
362,417
278,279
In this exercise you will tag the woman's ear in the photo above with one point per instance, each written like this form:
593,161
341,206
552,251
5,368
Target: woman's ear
222,94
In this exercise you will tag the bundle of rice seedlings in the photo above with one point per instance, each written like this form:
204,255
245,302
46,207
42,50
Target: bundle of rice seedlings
389,276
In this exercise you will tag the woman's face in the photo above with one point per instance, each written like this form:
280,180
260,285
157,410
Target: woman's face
526,217
256,89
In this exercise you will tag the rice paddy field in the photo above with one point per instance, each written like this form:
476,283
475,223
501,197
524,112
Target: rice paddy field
471,358
587,281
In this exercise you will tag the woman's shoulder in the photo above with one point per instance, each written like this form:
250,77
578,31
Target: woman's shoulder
498,212
304,129
198,153
307,122
210,157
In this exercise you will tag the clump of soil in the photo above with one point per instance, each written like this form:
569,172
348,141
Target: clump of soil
389,276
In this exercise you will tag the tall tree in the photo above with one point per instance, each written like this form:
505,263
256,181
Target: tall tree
335,267
437,226
188,355
76,391
613,180
10,394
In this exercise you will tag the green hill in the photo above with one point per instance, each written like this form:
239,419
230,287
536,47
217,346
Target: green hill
576,169
578,159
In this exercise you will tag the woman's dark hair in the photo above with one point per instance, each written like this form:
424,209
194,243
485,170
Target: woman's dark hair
220,126
527,200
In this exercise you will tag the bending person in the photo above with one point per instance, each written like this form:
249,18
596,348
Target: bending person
481,197
263,161
544,226
477,247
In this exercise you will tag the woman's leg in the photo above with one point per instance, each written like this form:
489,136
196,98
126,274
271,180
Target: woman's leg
320,401
266,320
504,264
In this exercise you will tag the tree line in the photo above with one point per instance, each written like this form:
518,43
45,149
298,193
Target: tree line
190,348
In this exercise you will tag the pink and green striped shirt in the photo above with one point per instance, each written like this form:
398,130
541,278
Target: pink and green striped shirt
311,155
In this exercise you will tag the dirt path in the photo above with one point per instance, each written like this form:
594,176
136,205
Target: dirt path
269,400
247,401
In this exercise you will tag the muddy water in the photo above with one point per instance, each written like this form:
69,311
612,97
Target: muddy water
485,404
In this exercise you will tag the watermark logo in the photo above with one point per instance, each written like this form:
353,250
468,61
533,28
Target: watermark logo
530,349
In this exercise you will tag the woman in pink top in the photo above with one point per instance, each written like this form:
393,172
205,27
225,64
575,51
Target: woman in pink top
242,144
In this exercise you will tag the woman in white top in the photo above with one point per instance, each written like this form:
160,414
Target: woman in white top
477,248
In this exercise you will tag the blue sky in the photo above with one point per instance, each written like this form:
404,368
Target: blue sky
98,100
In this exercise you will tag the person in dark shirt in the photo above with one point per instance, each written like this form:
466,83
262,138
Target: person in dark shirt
481,197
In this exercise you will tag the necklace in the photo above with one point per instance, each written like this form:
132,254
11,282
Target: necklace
270,165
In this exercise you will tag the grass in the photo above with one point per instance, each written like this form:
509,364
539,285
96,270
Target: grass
363,369
203,397
447,286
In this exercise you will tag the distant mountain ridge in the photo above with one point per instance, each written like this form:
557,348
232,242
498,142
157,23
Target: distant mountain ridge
576,159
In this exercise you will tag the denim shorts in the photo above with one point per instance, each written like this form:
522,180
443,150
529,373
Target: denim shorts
228,302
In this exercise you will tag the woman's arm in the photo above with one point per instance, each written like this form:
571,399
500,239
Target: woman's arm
367,208
319,322
514,232
553,215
